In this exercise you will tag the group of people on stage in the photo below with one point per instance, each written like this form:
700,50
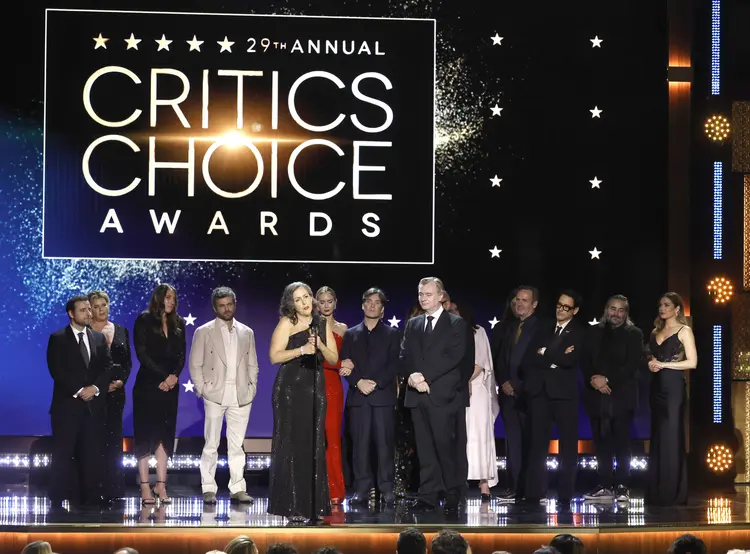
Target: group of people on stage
443,377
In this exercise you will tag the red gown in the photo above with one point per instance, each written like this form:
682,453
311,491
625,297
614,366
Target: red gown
334,417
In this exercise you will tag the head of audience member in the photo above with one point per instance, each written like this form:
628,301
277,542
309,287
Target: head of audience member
326,299
430,294
224,302
617,312
446,301
525,301
687,544
448,541
464,312
163,305
127,550
297,301
241,545
373,304
37,547
546,550
79,311
565,543
411,541
415,310
568,304
99,301
281,548
327,550
671,306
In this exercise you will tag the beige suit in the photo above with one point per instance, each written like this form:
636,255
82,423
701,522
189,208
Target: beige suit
226,392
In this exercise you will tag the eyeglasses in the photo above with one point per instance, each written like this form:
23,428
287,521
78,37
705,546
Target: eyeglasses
564,307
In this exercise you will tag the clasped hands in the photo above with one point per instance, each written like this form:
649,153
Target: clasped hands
417,381
114,385
87,393
168,384
599,382
568,350
655,366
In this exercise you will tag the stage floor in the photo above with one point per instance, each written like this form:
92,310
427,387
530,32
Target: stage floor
188,511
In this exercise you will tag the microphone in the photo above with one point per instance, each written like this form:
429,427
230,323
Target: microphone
315,324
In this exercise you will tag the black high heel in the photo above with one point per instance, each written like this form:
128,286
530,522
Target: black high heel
163,499
147,501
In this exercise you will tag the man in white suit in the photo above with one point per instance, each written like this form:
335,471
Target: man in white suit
224,368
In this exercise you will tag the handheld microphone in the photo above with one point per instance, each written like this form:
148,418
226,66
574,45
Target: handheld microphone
315,324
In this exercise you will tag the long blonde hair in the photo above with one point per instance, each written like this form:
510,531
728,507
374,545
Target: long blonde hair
675,299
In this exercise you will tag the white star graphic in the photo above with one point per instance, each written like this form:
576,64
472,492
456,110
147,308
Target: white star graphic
596,42
163,43
495,181
596,112
195,44
496,110
132,42
226,45
595,183
494,321
190,320
100,41
594,322
595,253
496,40
189,386
495,252
394,322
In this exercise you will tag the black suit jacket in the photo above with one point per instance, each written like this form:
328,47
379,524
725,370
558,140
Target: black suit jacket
378,361
439,356
70,374
509,357
560,382
617,354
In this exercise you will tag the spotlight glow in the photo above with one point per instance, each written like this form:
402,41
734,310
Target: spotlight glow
717,128
719,458
720,289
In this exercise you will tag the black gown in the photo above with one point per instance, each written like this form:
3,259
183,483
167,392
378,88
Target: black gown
667,463
114,484
154,410
296,418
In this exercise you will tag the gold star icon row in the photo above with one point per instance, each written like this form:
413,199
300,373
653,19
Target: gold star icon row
163,43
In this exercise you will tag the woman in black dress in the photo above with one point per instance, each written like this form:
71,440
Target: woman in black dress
118,340
298,447
671,352
159,339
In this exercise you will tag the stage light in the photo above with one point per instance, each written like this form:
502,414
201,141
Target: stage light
720,289
719,458
233,138
715,47
718,210
716,373
719,511
717,128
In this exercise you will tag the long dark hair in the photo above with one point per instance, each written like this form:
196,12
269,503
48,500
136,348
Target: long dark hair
675,299
156,307
286,308
467,314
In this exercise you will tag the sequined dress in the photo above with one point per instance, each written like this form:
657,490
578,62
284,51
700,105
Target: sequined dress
667,463
119,347
299,436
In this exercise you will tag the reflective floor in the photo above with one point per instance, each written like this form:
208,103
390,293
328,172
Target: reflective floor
188,510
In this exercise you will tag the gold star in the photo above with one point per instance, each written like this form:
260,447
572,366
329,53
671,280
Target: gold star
163,43
132,42
100,42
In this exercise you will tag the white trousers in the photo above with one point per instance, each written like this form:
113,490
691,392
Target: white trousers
237,418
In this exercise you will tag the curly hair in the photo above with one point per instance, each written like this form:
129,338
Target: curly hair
286,308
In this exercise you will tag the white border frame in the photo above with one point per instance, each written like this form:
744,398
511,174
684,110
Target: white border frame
434,134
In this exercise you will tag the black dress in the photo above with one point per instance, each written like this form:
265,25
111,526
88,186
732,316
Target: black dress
154,410
667,464
297,416
114,484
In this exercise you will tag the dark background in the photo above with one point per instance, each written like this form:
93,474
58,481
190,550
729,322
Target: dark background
545,216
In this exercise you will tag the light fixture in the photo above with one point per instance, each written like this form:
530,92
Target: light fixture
717,128
720,289
233,138
719,458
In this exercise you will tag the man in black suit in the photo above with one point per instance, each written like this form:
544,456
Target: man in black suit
611,358
370,352
511,349
550,369
432,353
79,361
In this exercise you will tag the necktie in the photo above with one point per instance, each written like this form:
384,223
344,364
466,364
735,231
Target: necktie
428,329
558,330
518,332
82,348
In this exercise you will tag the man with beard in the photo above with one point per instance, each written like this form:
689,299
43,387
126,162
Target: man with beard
612,354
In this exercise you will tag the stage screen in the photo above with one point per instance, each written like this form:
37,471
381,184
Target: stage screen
349,145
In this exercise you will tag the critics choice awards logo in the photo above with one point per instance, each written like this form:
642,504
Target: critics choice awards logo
238,138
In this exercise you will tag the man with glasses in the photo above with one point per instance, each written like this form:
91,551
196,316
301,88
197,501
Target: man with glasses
551,387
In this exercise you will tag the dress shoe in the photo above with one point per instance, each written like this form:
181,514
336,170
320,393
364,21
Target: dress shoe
421,506
451,506
242,497
209,497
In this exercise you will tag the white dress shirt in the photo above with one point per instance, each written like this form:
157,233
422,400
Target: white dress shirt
88,349
229,337
435,316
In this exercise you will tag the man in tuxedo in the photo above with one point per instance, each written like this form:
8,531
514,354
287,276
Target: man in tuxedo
224,369
511,349
370,351
432,353
611,358
80,364
550,369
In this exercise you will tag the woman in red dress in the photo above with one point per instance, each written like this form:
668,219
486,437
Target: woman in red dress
326,299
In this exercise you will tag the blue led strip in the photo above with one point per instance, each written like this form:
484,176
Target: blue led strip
717,374
718,210
715,47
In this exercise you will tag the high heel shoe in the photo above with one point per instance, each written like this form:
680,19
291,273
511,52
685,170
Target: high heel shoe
149,500
163,499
